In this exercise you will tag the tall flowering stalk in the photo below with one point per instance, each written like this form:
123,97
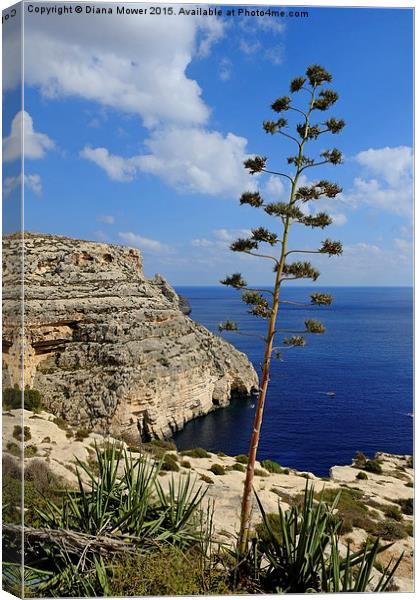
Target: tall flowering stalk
320,98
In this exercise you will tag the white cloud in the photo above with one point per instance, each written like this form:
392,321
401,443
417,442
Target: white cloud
138,66
388,184
249,48
402,245
108,219
220,240
338,218
393,164
275,189
189,159
101,236
32,182
202,243
274,25
228,235
144,243
275,54
198,160
263,44
35,144
116,167
225,69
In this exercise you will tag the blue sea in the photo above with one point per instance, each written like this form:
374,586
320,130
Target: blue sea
365,357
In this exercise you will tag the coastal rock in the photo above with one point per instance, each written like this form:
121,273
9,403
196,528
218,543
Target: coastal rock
107,348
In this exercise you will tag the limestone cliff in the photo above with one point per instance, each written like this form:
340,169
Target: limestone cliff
108,348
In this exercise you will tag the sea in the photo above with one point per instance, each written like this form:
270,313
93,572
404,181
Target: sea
349,389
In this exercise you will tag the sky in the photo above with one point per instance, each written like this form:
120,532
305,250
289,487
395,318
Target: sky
136,132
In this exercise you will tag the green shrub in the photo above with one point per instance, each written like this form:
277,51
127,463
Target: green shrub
30,451
409,484
272,466
373,466
186,464
406,505
126,500
390,530
12,399
409,528
242,458
20,435
360,459
260,473
410,463
13,448
10,468
61,423
206,479
167,572
170,463
351,511
361,475
165,444
238,467
196,453
273,525
297,551
81,434
221,454
42,476
41,485
393,512
217,469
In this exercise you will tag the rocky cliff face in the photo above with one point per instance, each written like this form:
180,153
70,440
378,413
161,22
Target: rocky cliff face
108,348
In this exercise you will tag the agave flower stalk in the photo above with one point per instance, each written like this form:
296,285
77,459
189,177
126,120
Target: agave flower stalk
321,98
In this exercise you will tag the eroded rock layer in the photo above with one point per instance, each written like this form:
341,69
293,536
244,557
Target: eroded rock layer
108,348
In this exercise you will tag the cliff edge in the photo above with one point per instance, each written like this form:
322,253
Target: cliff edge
108,348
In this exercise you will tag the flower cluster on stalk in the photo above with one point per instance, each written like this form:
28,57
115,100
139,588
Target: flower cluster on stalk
315,82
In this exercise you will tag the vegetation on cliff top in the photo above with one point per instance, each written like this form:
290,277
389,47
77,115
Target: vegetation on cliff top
119,533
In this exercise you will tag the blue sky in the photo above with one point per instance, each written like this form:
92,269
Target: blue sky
135,133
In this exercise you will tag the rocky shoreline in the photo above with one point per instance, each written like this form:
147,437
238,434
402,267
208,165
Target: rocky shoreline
107,348
372,503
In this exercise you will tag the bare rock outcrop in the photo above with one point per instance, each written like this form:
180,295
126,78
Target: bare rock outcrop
108,348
